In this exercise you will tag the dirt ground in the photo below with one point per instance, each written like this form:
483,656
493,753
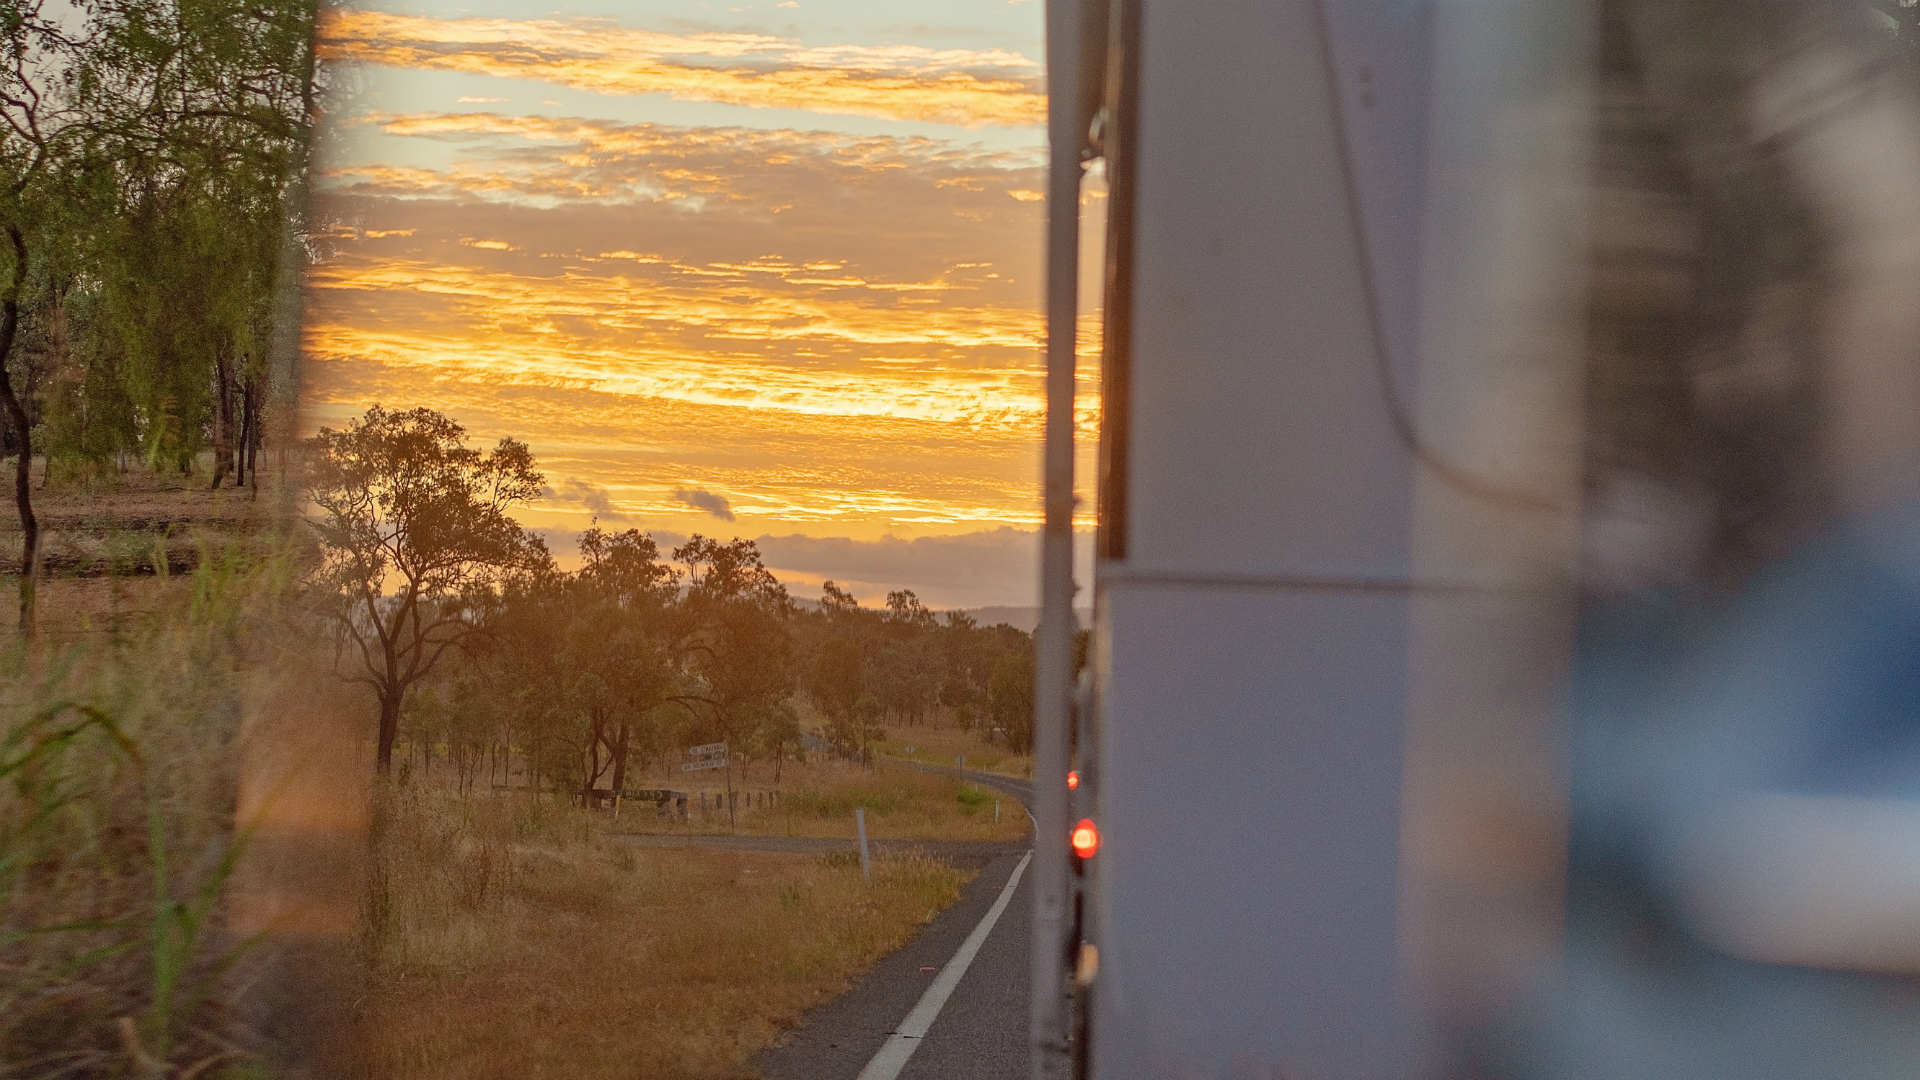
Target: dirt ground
114,550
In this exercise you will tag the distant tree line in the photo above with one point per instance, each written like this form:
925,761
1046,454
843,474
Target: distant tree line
153,158
472,640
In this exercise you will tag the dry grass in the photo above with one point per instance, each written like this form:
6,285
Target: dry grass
146,774
941,745
143,934
95,606
818,798
507,939
117,840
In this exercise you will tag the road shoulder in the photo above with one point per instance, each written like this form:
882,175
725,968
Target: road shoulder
836,1040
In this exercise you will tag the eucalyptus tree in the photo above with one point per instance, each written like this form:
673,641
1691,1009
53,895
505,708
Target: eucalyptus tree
40,124
206,130
415,540
908,676
740,647
622,649
1010,695
153,152
522,629
836,682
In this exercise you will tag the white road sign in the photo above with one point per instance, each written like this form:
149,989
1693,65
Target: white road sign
707,756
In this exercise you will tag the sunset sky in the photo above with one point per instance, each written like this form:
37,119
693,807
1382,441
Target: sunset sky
766,269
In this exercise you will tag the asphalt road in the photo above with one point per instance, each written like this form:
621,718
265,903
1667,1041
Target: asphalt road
980,1034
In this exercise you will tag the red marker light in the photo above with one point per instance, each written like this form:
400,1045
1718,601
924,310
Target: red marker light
1073,779
1085,839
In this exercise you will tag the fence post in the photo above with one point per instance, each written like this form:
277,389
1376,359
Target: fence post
860,825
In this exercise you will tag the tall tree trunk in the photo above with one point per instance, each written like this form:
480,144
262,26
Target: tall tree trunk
620,758
506,755
246,433
532,756
56,363
252,433
592,767
222,416
23,431
389,730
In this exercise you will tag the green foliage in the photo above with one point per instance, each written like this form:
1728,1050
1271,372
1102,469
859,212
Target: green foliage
869,667
1010,697
153,162
737,644
836,683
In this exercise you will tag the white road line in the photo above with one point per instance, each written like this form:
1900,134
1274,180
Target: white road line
905,1039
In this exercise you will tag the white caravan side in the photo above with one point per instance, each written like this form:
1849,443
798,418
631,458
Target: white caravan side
1301,512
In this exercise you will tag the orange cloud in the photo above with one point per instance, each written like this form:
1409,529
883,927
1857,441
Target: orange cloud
864,475
567,159
837,332
764,336
970,88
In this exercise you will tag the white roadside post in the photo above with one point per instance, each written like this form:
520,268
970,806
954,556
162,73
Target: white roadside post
860,827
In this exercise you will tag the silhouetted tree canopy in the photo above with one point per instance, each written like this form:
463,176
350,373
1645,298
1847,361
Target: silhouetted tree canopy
414,536
479,647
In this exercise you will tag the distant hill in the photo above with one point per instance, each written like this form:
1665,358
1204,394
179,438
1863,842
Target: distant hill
1023,619
1020,618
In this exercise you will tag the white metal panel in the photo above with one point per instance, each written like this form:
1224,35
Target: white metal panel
1248,785
1259,439
1503,307
1382,62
